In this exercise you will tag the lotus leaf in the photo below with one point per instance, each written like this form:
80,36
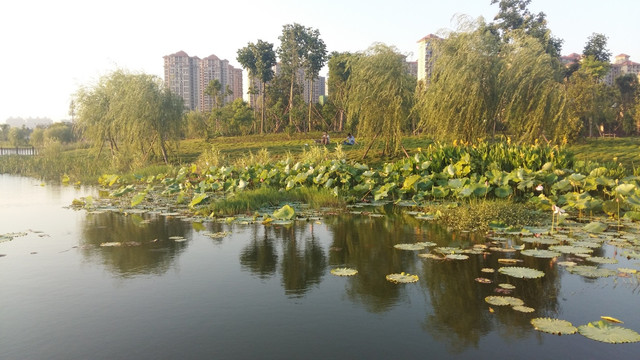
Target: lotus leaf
456,257
344,271
566,263
503,301
595,227
524,309
111,244
426,243
487,270
602,260
507,286
591,271
431,256
509,261
284,213
587,244
541,240
547,254
402,278
521,272
482,280
627,270
448,250
409,246
554,326
613,334
568,249
611,319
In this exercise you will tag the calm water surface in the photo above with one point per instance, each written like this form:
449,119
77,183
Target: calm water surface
267,292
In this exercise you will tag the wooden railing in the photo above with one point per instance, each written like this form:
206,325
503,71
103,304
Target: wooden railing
18,151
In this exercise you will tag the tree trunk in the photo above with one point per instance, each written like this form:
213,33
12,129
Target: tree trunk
293,76
262,109
310,100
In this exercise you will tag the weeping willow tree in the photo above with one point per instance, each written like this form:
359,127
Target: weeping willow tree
133,114
481,86
461,98
380,94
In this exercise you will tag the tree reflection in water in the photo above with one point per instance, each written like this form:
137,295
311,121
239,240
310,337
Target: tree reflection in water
150,250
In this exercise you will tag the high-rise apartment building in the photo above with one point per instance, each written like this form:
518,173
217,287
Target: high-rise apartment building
426,57
189,76
622,66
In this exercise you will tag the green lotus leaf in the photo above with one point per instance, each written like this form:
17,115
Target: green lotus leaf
431,256
197,199
409,246
602,260
543,240
587,244
487,270
507,286
402,278
567,263
524,309
627,270
521,272
568,249
632,215
595,227
503,301
554,326
426,243
448,250
604,332
591,271
138,198
546,254
410,181
625,189
284,213
344,271
456,257
503,191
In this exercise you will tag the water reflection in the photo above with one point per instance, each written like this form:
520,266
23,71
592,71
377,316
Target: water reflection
146,247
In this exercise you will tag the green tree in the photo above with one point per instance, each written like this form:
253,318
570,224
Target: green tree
259,60
596,47
18,136
380,95
195,125
300,48
627,91
133,113
339,72
514,15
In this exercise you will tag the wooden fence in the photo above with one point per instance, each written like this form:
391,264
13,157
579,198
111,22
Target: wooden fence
18,151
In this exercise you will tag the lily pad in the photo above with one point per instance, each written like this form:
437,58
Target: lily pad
344,271
426,243
567,263
482,280
524,309
539,253
111,244
487,270
595,227
591,271
284,213
602,260
604,332
402,278
456,257
521,272
540,240
431,256
568,249
409,246
507,286
554,326
509,261
503,301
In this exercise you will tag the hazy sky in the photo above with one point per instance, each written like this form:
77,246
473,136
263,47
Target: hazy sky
51,48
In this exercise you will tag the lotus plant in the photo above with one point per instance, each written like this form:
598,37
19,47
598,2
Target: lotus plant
555,216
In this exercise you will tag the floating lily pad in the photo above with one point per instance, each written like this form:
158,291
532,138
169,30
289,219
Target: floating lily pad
602,260
456,257
111,244
539,253
509,261
587,244
595,227
284,213
521,272
402,278
426,243
627,270
482,280
344,271
507,286
503,301
409,246
554,326
567,263
568,249
487,270
604,332
540,240
448,250
431,256
591,271
524,309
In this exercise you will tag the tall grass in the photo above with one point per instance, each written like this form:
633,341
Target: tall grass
249,201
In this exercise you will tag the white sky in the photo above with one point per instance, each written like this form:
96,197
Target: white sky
51,48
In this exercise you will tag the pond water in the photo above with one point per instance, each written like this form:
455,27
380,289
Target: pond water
234,291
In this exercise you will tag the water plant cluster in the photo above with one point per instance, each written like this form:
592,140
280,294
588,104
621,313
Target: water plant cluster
538,174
